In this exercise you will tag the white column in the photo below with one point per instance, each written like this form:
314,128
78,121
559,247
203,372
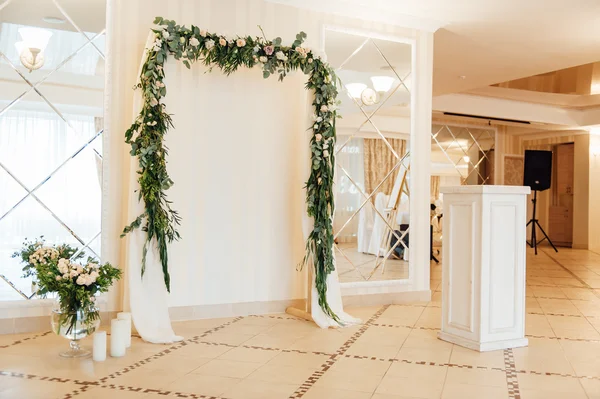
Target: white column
420,160
483,277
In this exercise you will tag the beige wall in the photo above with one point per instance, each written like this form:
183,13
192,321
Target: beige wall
581,192
594,193
585,168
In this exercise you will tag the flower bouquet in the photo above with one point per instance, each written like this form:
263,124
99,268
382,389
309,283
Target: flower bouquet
62,270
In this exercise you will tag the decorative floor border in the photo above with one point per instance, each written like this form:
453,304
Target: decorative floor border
20,341
310,381
512,380
331,358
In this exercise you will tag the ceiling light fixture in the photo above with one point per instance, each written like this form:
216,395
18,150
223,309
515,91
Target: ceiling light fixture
382,84
368,96
32,46
355,89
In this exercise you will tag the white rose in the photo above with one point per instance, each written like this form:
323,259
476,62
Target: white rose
240,42
94,275
194,42
263,59
315,126
203,33
319,119
281,56
79,269
222,41
153,102
89,280
74,273
66,276
58,278
325,146
165,34
256,48
209,44
324,108
80,280
318,137
325,153
310,60
182,40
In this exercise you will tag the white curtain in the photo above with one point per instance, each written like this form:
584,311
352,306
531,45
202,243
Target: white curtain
347,196
32,145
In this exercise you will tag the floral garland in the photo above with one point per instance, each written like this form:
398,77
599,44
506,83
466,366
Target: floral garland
146,134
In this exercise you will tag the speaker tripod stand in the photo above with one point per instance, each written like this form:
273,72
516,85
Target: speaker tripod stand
534,222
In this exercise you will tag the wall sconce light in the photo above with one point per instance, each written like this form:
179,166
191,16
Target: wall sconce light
382,84
466,158
31,47
355,89
367,95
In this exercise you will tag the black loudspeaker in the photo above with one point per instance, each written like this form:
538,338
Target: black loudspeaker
538,169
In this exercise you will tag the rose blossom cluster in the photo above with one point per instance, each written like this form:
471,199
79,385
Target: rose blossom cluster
42,255
86,275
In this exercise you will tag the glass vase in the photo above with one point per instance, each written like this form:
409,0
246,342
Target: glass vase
75,325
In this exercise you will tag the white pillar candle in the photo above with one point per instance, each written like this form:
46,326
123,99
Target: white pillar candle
99,349
126,316
118,337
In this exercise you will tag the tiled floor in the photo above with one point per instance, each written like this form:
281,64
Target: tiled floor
394,355
356,266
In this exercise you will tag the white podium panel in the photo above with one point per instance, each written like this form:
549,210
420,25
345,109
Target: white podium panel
483,266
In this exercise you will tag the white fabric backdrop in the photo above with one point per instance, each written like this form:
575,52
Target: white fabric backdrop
262,127
148,297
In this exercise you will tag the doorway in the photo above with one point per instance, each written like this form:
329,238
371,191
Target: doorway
561,205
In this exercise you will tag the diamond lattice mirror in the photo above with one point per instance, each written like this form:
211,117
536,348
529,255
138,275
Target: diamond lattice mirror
372,161
50,130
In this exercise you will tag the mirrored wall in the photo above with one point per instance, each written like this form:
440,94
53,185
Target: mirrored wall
372,190
51,120
460,155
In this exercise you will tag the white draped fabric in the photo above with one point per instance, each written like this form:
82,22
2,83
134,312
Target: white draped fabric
334,295
149,300
147,295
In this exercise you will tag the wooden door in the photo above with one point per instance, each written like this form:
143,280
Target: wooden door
561,209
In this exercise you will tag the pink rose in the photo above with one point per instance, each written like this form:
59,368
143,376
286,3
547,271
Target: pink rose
269,50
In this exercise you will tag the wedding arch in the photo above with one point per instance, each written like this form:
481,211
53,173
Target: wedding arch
146,135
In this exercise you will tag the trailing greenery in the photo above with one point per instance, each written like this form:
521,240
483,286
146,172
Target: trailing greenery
146,134
63,270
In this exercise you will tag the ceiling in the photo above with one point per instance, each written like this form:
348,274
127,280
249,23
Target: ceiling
78,11
488,41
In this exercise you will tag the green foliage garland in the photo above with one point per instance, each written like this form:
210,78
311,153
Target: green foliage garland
146,134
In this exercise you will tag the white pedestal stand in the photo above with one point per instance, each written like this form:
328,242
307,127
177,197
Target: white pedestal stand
483,272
